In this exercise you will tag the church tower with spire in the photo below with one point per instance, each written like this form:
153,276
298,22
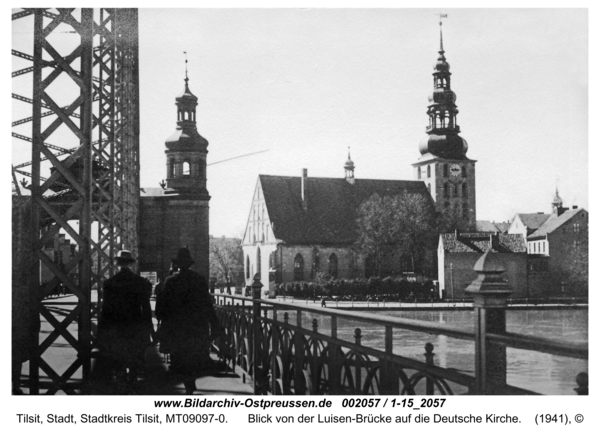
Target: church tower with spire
176,215
444,166
186,150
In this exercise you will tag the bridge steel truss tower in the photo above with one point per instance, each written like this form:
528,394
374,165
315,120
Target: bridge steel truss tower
86,94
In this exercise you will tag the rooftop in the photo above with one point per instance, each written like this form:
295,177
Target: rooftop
481,242
330,217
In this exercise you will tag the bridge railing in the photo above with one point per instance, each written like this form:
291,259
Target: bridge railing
272,343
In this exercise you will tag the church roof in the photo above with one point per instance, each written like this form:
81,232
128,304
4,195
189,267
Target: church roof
330,217
554,222
480,242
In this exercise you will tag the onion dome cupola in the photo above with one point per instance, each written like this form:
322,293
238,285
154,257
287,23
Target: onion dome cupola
442,138
186,149
557,204
349,169
557,201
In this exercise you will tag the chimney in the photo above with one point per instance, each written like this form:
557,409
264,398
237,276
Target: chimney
494,241
304,189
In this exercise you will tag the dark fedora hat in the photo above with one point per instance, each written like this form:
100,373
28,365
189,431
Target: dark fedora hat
125,256
184,258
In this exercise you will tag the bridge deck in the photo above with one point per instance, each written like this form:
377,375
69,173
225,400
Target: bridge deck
155,380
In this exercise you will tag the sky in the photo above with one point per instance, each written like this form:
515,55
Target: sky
307,83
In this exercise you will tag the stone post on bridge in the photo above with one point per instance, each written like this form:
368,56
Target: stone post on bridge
490,293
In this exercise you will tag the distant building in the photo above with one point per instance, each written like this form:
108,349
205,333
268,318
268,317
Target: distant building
458,252
556,250
301,226
176,215
526,224
491,227
60,251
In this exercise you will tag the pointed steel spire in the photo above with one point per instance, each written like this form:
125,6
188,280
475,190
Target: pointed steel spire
441,35
441,38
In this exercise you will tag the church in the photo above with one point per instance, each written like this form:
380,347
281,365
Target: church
299,227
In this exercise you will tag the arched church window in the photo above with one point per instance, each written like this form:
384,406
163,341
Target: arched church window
429,171
419,173
247,267
464,190
464,171
429,188
186,168
455,190
445,170
465,210
446,190
333,266
298,267
171,169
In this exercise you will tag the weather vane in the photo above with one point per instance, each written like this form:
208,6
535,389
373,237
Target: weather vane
442,16
186,61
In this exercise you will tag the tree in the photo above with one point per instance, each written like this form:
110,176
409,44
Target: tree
405,224
452,220
226,259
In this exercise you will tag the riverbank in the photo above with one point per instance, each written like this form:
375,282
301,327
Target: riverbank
416,306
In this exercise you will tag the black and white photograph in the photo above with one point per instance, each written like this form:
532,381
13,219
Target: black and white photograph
299,201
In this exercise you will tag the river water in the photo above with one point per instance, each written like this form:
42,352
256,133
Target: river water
542,373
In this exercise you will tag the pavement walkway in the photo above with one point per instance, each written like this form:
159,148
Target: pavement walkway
154,380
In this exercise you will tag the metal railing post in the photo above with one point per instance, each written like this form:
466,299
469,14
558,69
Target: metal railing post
490,293
429,385
389,380
256,332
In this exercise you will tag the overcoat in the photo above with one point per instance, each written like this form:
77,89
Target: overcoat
125,324
186,313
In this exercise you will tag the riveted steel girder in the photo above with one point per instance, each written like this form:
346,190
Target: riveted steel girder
91,193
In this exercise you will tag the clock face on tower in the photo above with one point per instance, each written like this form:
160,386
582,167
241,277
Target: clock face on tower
455,170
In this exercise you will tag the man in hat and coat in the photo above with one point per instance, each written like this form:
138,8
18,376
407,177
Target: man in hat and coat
187,321
125,325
